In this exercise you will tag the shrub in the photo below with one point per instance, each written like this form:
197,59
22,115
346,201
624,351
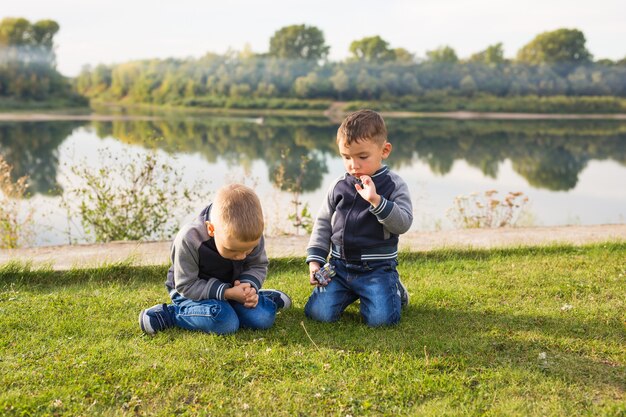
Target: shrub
486,211
139,199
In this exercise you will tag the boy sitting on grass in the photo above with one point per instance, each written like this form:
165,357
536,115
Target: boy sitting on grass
218,267
359,223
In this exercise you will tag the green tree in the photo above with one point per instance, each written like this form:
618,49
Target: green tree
28,42
43,32
468,85
15,31
299,42
402,55
367,85
443,55
371,49
561,46
493,55
341,82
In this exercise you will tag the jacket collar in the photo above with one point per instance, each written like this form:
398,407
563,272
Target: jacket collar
381,171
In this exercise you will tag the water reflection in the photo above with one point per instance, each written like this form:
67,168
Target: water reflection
281,143
32,149
548,154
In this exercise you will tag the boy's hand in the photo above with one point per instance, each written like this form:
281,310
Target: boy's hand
238,292
313,268
367,190
252,298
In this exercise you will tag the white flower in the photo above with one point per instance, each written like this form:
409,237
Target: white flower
567,307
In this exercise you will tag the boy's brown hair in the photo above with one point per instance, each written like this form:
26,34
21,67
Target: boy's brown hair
362,125
239,209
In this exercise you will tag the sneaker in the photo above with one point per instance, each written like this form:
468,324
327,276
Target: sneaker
404,294
155,319
279,298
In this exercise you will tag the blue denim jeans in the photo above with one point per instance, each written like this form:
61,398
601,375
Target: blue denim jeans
220,317
374,283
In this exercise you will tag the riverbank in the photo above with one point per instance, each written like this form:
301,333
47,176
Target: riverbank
43,116
157,253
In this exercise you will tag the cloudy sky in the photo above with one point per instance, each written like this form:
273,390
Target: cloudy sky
112,31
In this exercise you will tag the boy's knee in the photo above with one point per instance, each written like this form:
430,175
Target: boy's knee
382,319
219,321
224,325
225,328
320,314
262,320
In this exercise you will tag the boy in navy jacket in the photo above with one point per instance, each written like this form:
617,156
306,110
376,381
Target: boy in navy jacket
358,225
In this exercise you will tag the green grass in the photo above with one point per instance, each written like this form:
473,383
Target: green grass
486,333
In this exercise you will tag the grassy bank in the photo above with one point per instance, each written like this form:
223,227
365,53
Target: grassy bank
422,105
425,103
436,102
533,331
69,104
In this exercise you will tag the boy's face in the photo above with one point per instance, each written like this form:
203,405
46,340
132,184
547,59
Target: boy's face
363,157
228,246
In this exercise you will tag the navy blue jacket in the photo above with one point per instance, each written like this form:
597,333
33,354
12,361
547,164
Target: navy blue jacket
349,228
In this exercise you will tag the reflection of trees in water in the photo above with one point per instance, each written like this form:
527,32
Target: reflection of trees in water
240,142
298,172
554,169
549,154
32,149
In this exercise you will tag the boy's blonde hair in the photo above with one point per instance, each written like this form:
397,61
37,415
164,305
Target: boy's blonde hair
363,125
239,210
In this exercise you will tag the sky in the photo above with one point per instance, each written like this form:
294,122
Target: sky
115,31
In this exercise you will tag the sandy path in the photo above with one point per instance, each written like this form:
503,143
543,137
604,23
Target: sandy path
156,253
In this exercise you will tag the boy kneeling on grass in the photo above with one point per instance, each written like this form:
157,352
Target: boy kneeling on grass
218,267
358,224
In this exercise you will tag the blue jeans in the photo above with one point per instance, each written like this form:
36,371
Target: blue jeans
374,283
220,317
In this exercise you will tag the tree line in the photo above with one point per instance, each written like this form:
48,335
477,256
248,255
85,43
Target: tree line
554,63
296,72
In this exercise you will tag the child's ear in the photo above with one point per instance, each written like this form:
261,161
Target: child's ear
386,149
210,228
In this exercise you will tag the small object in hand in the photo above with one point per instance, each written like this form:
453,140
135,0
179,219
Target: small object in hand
324,274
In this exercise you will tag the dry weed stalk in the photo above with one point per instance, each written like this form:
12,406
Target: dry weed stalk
15,220
486,211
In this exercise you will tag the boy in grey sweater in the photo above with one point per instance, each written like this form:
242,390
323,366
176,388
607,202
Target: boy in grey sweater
358,226
218,268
